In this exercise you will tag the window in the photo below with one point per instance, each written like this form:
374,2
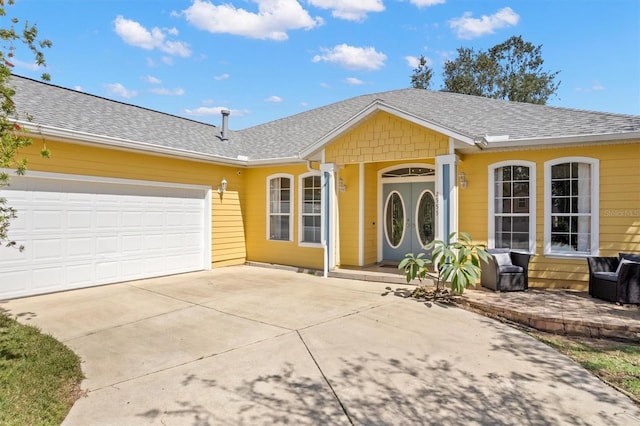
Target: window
571,206
311,209
512,206
279,222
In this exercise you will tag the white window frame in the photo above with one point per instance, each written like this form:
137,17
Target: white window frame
291,205
532,200
595,206
301,213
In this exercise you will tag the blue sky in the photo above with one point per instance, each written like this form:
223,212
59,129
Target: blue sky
267,59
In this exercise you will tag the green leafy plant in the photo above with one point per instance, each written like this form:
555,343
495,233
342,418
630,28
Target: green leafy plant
13,136
455,260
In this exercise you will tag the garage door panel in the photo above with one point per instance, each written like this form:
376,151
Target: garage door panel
47,250
80,275
47,279
79,234
79,220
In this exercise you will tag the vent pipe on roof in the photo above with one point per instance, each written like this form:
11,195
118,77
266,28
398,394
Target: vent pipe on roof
225,124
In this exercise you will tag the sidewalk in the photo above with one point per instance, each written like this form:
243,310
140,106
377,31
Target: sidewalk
558,311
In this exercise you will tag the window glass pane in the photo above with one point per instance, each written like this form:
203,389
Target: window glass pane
560,205
520,241
560,224
506,173
521,205
520,224
560,188
521,189
506,224
560,242
506,205
560,171
279,228
506,189
311,230
394,219
521,173
504,240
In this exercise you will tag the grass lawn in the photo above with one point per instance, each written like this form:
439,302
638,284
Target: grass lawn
39,376
616,363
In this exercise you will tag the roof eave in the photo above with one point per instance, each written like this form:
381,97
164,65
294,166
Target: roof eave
84,138
565,140
276,161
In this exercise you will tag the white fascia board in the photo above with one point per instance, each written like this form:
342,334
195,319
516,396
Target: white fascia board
276,161
84,138
375,107
572,139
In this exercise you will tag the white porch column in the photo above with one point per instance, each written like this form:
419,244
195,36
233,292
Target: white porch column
328,216
447,195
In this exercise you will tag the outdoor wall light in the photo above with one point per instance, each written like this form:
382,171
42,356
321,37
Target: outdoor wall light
223,186
463,180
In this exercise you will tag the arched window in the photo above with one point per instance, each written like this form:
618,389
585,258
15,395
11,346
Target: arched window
280,222
310,208
571,206
512,205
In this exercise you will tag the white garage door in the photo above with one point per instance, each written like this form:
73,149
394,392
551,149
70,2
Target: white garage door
82,231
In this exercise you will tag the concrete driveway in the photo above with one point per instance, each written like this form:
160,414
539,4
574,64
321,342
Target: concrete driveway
248,346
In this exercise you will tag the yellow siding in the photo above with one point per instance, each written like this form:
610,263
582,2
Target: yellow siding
619,205
259,248
349,215
384,137
370,214
228,246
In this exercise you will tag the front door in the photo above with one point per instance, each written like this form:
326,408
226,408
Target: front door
409,218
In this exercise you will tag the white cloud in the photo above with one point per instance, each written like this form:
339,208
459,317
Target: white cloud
353,58
352,81
220,77
350,10
78,88
274,99
414,61
118,89
325,85
151,79
426,3
167,92
31,66
134,34
167,60
595,87
210,111
467,27
272,21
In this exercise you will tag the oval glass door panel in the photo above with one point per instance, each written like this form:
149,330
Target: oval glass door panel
426,218
394,219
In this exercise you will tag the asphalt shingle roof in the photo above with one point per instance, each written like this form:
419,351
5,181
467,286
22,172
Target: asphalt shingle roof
469,116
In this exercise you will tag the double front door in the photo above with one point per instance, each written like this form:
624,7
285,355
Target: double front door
409,218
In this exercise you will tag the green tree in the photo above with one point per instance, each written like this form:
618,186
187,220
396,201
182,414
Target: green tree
14,137
421,77
512,70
